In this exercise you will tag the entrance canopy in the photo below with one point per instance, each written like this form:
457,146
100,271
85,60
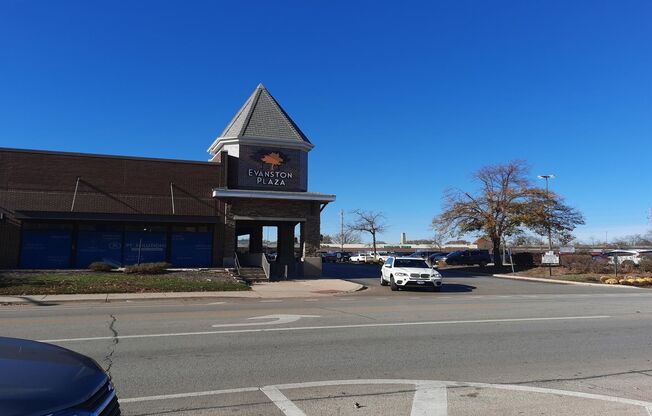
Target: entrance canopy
290,196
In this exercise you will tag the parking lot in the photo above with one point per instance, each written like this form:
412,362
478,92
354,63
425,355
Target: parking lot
455,283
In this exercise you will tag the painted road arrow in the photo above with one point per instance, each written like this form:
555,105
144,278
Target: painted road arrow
278,320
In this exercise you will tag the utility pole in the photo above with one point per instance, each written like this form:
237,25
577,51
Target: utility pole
547,177
342,230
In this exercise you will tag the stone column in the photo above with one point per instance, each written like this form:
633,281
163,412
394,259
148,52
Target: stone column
310,231
285,248
229,241
256,239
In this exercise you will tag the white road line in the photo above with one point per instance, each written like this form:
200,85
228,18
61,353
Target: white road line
271,301
345,299
430,399
416,383
649,411
304,328
311,300
216,303
186,395
283,403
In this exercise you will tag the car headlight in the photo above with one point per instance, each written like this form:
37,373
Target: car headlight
401,274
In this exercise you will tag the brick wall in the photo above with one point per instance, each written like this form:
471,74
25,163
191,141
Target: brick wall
42,181
45,181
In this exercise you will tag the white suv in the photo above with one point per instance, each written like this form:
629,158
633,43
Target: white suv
401,272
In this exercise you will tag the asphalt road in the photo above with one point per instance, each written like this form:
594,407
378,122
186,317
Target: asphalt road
560,349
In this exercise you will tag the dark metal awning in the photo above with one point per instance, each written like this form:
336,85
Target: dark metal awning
224,193
96,216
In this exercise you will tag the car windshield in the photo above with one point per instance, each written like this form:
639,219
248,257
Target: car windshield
411,264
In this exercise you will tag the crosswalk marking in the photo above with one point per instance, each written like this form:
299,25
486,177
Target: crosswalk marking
282,402
430,399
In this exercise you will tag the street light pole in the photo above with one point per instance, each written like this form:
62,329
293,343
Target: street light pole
548,177
342,231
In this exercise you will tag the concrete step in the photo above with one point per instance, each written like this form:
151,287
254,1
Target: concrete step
252,274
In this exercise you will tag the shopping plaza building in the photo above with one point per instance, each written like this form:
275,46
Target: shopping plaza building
68,210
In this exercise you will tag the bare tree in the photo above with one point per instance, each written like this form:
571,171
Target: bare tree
526,240
347,237
368,222
505,205
437,238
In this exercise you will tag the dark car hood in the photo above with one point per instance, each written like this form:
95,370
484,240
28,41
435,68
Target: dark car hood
38,378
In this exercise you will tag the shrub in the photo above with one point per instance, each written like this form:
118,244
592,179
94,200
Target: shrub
578,263
100,266
148,268
600,266
627,266
646,265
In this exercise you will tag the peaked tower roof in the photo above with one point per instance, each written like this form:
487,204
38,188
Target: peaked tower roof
261,116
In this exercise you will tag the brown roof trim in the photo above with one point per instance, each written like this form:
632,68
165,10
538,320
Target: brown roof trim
103,156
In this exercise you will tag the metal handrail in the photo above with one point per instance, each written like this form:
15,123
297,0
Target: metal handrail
237,264
265,264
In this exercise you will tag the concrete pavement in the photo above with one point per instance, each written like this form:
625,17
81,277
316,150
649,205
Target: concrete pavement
264,290
368,347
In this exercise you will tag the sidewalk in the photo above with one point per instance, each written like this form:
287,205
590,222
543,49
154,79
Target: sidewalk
267,290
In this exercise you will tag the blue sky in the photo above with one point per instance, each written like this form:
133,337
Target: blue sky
401,99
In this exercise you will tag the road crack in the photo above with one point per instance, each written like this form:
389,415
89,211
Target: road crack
108,358
552,380
347,313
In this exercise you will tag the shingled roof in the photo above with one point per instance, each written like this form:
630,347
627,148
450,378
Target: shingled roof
262,116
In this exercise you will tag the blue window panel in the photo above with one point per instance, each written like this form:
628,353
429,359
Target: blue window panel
150,245
192,249
101,246
45,249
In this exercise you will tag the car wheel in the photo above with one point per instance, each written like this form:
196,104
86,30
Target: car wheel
483,264
392,284
382,281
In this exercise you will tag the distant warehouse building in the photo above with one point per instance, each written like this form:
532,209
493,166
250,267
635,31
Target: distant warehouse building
67,210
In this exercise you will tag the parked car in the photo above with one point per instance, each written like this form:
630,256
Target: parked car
328,257
424,254
382,256
469,258
363,258
335,257
435,257
343,256
402,272
39,379
634,256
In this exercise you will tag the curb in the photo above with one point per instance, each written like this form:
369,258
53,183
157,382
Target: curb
557,281
544,280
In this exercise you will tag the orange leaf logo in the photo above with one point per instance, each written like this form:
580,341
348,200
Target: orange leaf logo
273,159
